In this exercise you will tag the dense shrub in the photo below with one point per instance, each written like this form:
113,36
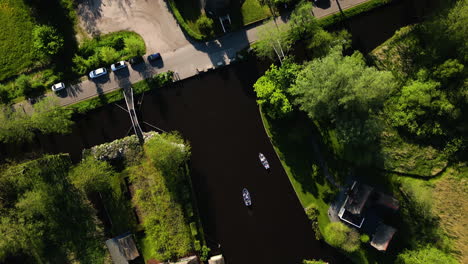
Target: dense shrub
46,40
341,236
205,24
23,85
427,255
364,238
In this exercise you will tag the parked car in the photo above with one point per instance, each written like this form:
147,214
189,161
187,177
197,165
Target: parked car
136,60
58,86
154,57
97,73
119,65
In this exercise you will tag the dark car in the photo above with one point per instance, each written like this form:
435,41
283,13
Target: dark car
136,60
154,57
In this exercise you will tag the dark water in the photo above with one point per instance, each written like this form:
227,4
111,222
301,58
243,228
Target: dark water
218,114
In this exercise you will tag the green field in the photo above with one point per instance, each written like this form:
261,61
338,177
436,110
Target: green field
15,38
253,11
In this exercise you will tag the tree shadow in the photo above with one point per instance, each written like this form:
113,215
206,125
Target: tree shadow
293,136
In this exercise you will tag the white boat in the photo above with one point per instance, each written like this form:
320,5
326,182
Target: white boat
264,161
246,196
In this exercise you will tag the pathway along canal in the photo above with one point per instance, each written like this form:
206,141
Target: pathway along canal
218,114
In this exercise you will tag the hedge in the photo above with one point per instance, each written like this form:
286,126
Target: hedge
182,22
351,12
156,81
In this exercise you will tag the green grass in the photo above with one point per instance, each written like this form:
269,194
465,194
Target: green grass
292,142
186,14
16,51
253,11
351,12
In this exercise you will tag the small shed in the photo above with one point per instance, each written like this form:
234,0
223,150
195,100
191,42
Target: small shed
122,248
218,259
382,237
187,260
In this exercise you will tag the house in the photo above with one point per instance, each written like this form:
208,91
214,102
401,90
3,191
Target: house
367,209
352,210
187,260
122,249
382,237
218,259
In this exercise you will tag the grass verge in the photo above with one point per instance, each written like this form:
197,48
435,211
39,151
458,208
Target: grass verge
351,12
157,81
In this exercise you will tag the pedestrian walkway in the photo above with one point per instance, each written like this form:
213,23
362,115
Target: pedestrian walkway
185,61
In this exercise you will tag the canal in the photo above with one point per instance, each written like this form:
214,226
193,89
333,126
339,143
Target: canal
218,114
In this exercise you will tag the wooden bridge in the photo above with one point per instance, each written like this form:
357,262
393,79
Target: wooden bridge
128,94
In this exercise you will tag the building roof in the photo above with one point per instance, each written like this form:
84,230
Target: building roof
122,249
357,197
382,237
219,259
187,260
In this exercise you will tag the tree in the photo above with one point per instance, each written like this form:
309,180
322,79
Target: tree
339,235
427,255
302,22
15,125
420,108
92,176
272,89
273,41
4,94
46,40
336,87
108,55
23,85
205,24
134,46
49,117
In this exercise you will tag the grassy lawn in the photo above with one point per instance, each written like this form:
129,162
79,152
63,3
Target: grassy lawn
292,141
15,38
253,11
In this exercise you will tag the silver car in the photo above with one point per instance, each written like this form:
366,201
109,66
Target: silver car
58,86
97,73
119,65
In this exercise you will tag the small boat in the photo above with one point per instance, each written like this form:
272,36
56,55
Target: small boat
246,196
264,161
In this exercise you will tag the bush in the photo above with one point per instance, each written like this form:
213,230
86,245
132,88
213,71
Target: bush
4,94
204,253
205,24
428,255
108,55
23,85
46,40
313,213
134,46
364,238
341,236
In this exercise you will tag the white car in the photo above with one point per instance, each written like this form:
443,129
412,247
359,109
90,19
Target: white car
119,65
97,73
58,86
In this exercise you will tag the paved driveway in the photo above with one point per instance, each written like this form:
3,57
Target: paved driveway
151,19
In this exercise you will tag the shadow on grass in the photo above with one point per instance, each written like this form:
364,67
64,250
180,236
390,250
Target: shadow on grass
294,137
56,14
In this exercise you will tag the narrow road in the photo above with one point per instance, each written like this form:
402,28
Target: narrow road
187,59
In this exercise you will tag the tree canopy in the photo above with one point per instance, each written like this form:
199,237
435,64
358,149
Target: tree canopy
40,210
272,88
47,117
46,40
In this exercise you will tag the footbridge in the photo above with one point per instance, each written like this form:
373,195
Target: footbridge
128,94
